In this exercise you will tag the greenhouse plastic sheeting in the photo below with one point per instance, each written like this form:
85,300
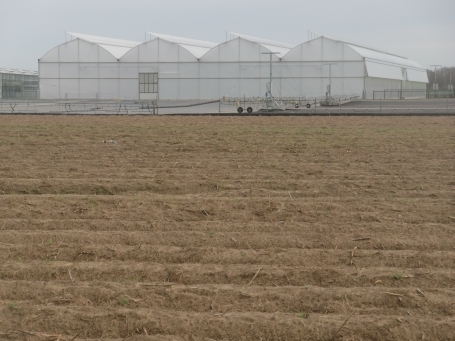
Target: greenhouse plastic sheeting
378,70
417,76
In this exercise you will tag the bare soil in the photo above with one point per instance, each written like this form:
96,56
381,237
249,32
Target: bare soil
210,228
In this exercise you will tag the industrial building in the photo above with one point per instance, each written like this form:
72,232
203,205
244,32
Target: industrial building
176,68
18,84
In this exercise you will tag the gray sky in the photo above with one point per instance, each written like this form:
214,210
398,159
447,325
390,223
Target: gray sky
421,30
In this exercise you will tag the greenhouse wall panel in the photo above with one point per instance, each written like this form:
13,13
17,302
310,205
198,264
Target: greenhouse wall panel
70,70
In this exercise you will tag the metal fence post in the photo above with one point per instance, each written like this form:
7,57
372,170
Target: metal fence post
380,105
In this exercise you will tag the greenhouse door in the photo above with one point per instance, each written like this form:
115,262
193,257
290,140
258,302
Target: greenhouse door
148,86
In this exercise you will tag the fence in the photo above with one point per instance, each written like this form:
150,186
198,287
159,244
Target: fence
441,93
407,94
230,106
399,94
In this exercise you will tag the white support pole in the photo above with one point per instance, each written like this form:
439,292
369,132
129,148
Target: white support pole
434,82
330,77
270,75
270,53
330,80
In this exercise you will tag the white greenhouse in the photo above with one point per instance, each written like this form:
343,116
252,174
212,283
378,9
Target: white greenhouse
175,68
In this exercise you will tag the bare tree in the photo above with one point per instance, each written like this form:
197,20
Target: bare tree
444,77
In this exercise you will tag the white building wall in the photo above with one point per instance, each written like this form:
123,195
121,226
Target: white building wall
396,88
414,90
380,84
414,86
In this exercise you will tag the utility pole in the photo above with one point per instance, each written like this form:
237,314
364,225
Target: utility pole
435,66
270,53
450,79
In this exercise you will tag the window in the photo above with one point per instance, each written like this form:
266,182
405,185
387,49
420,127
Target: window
148,83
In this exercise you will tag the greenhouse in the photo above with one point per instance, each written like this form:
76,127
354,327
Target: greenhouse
176,68
18,84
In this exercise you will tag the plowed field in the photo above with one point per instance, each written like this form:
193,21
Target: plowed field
210,228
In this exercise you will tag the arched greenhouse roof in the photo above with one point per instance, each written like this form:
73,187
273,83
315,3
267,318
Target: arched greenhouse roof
116,47
18,72
271,45
376,54
196,47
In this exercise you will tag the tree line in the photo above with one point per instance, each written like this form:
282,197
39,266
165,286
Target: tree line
443,76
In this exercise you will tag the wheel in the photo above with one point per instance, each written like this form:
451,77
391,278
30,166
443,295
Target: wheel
249,110
296,106
239,110
308,105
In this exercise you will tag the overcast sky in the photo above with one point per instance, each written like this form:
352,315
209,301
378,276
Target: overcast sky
421,30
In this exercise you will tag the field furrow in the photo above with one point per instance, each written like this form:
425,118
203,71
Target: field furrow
203,228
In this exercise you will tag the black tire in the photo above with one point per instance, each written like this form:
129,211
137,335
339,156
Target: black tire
296,106
249,110
239,110
308,105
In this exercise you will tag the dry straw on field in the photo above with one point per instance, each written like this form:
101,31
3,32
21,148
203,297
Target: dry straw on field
210,228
